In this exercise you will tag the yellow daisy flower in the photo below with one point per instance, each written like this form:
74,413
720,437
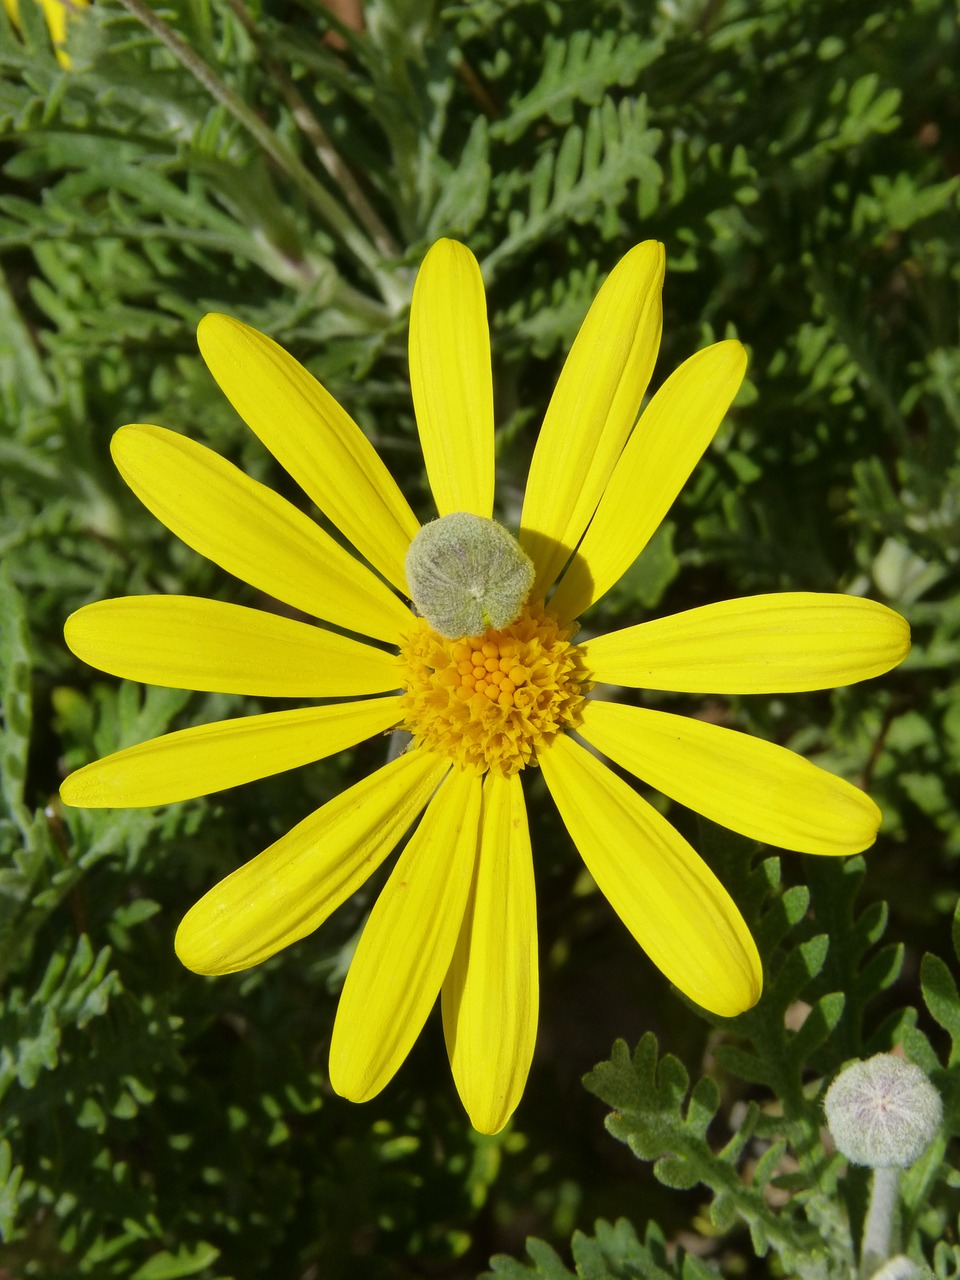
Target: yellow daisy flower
57,14
457,916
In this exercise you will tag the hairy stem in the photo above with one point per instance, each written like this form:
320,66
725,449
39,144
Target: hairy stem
320,140
898,1268
329,208
878,1227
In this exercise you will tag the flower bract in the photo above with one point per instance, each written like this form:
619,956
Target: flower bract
457,916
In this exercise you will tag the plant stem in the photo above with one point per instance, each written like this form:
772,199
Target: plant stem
319,139
898,1268
329,208
878,1227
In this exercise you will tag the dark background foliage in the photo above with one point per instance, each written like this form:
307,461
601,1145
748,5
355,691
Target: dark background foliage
799,160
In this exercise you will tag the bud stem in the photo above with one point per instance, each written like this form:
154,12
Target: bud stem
898,1268
878,1227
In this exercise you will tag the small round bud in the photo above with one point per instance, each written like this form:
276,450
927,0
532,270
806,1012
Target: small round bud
466,573
883,1112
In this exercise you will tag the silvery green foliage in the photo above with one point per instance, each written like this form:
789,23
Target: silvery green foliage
466,574
613,1251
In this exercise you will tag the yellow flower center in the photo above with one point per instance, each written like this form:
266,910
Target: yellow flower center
490,701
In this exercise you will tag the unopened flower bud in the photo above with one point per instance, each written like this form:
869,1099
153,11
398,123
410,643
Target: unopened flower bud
883,1112
466,573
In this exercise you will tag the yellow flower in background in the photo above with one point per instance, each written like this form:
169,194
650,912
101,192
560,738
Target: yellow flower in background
457,916
57,14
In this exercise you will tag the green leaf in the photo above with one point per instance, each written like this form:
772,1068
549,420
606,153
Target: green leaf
591,170
645,1095
819,1024
942,999
38,1050
464,188
547,1264
613,1253
187,1261
582,67
648,578
11,1176
15,700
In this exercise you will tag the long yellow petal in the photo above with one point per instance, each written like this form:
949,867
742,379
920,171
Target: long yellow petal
669,440
664,893
287,891
394,977
252,532
451,379
209,757
592,410
183,642
314,439
491,994
781,643
754,787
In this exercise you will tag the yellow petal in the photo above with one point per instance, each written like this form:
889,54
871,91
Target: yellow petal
252,532
209,757
754,787
314,439
491,994
451,379
406,945
592,410
665,894
287,891
183,642
55,12
781,643
669,440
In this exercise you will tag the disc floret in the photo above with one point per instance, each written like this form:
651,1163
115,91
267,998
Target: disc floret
492,700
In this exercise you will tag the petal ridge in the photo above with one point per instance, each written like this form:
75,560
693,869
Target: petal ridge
207,758
314,438
490,996
405,948
669,440
288,890
250,531
187,642
784,642
764,791
451,379
592,410
666,895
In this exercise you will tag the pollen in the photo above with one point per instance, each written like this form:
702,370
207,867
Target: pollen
491,701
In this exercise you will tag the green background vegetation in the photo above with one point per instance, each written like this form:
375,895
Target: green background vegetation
799,159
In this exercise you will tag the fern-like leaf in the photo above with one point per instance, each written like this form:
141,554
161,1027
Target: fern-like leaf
581,68
585,177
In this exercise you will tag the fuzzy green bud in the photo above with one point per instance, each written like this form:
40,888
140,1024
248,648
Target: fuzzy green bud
883,1112
466,574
